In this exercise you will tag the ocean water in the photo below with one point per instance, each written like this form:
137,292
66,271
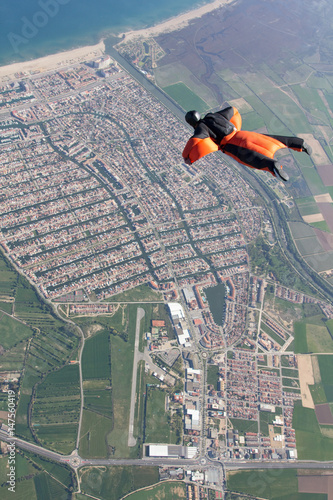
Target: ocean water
35,28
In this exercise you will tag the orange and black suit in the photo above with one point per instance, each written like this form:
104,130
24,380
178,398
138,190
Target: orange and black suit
222,131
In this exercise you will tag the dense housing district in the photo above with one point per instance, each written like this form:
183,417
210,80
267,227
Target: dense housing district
95,200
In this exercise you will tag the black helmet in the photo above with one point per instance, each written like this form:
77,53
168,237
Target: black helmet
192,117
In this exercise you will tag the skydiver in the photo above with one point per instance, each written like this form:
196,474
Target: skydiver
222,131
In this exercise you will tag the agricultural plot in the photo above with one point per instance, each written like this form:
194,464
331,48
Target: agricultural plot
13,358
115,482
312,336
166,491
185,97
13,331
6,307
98,396
94,431
60,472
270,484
307,206
96,357
58,438
311,443
56,408
47,487
8,279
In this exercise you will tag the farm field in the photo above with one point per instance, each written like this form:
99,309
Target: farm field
112,483
187,99
94,431
277,484
312,444
166,491
312,335
56,409
32,480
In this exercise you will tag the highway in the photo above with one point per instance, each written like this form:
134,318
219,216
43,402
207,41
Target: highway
75,461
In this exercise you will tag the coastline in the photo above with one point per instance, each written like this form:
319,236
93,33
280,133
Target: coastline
56,61
174,23
51,62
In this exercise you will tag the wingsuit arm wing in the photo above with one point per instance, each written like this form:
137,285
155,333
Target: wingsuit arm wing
196,148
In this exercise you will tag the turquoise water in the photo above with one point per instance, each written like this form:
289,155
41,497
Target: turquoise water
35,28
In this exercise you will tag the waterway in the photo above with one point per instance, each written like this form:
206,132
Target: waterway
216,300
34,28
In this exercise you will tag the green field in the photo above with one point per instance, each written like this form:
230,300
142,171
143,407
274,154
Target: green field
13,331
48,488
244,425
311,443
212,375
271,484
312,335
141,293
186,97
157,420
112,483
56,409
94,431
166,491
96,357
33,479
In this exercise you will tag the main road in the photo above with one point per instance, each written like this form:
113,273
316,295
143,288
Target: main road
75,461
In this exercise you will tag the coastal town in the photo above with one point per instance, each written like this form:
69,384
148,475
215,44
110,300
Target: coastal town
96,201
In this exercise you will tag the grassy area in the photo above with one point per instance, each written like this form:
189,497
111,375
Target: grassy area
267,418
312,335
141,293
271,484
186,97
56,409
96,357
47,487
94,431
112,483
319,338
33,479
61,439
13,331
60,472
244,425
166,491
157,420
212,375
121,376
274,336
301,345
311,444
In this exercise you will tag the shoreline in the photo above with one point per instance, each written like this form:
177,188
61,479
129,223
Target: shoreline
174,23
59,60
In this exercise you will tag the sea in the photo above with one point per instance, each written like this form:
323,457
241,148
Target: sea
35,28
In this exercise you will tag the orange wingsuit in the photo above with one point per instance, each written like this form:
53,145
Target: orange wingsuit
249,148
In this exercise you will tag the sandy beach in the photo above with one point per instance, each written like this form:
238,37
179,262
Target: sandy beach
49,63
68,58
175,23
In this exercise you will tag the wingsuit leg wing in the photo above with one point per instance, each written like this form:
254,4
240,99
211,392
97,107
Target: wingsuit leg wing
254,150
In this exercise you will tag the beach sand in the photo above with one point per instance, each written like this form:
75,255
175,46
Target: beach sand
49,63
64,59
175,23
